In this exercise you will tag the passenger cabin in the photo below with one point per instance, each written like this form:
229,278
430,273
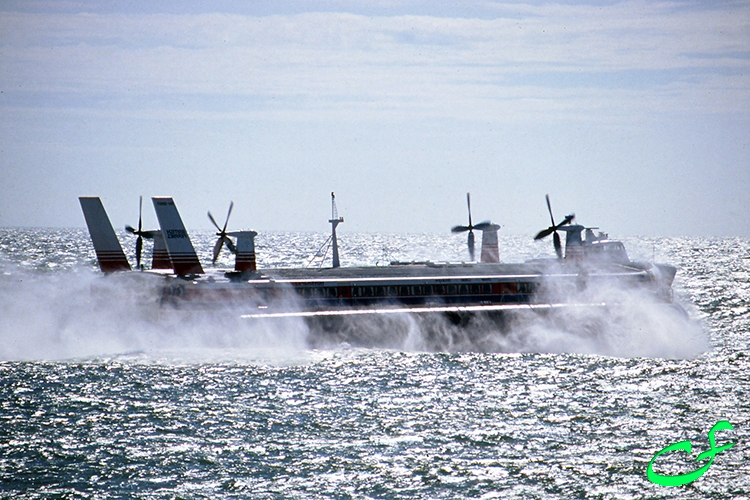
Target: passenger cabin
606,251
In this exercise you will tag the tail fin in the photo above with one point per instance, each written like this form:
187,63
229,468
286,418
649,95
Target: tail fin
160,259
180,249
490,250
109,253
245,259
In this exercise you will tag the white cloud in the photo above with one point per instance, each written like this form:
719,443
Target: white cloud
565,57
633,102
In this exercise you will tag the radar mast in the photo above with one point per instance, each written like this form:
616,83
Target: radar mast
335,221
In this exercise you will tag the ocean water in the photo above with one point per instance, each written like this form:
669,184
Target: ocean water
104,396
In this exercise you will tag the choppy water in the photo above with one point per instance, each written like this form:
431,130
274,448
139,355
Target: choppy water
100,397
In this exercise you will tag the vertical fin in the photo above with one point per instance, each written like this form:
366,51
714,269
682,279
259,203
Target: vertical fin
180,249
245,258
160,258
490,251
109,253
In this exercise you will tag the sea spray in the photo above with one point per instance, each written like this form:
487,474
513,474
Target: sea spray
78,313
72,311
607,318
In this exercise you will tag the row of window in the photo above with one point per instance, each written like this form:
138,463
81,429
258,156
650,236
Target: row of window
414,290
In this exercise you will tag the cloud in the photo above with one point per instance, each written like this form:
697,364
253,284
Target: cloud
530,60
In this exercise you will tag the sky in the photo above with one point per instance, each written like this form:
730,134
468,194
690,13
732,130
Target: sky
633,115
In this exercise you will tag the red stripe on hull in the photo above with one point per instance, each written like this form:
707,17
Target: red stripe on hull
245,262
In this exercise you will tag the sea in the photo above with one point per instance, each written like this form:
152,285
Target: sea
103,396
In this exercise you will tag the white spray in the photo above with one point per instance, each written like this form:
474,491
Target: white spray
82,314
79,313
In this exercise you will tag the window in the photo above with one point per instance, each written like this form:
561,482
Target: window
503,288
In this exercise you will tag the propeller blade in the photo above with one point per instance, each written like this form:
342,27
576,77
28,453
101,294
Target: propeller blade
230,245
140,215
459,229
211,217
549,207
138,250
231,205
471,245
146,234
544,233
468,204
217,248
558,246
483,225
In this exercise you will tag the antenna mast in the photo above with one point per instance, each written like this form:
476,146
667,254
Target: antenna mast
335,221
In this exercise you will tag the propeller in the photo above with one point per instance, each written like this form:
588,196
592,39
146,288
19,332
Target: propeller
470,228
140,233
553,229
222,234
